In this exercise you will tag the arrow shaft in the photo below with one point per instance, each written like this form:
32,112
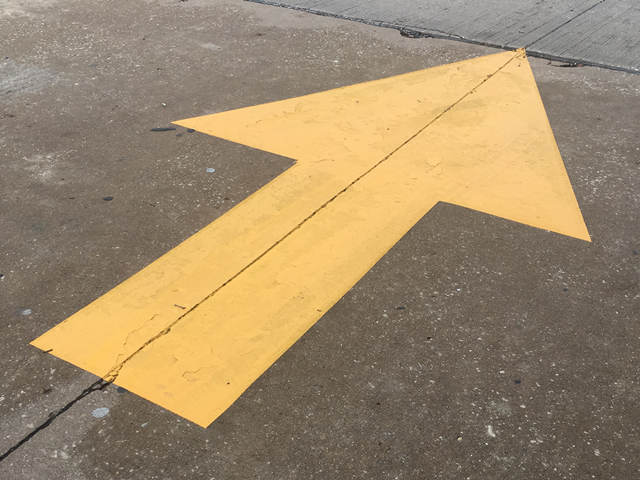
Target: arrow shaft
224,344
111,329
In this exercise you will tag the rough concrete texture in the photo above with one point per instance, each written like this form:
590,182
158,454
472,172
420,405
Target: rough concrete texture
476,348
596,32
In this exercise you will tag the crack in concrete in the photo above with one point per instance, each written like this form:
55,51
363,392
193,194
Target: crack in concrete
565,23
112,375
124,346
96,386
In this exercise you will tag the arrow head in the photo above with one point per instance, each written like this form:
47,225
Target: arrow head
481,122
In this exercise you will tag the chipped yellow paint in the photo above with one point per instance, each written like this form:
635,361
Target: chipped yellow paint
372,159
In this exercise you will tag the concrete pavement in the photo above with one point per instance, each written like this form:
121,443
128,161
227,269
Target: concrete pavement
591,32
476,348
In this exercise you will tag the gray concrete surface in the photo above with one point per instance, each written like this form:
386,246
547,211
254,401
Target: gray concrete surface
469,322
595,32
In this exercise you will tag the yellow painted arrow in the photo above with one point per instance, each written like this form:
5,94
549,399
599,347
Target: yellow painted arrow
372,159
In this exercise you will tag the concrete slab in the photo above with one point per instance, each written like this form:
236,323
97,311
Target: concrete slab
603,34
476,348
595,32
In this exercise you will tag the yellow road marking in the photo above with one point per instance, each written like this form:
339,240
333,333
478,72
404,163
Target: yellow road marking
372,159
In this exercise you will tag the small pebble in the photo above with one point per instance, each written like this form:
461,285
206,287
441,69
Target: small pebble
517,381
190,130
107,199
211,170
100,412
